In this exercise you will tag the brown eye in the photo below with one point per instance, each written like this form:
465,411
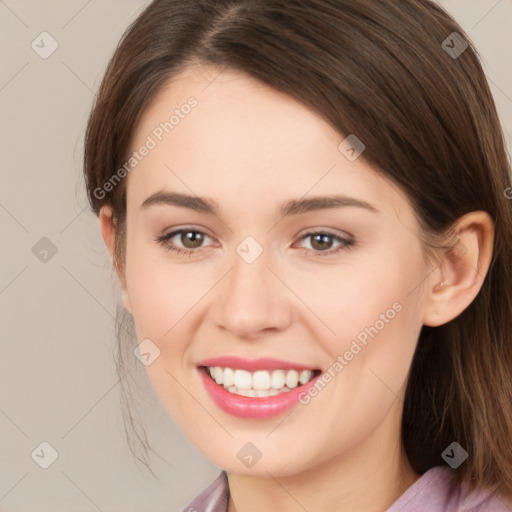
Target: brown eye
321,241
183,241
191,239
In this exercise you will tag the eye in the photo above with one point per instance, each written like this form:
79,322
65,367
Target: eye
322,242
191,239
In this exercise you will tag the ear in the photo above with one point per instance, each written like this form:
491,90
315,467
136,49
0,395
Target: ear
107,228
462,269
108,232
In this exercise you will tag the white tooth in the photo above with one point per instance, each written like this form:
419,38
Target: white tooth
278,379
229,377
305,376
267,392
218,374
243,379
292,378
260,383
245,392
255,393
211,371
261,380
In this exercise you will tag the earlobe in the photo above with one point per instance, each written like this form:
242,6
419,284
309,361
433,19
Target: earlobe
462,270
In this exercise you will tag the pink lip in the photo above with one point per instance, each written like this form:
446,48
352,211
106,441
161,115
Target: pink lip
253,365
253,408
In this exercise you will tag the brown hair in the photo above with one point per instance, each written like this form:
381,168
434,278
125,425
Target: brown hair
429,123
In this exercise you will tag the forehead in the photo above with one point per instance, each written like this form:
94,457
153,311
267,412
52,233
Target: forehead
238,115
245,143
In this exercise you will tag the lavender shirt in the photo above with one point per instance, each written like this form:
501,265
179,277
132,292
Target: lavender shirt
435,491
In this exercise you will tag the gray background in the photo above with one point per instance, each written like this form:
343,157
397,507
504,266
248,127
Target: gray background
58,382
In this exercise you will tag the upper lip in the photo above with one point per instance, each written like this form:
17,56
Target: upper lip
264,363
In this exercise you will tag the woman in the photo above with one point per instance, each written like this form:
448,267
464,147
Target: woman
335,334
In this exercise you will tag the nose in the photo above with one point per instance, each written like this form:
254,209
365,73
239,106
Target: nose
252,299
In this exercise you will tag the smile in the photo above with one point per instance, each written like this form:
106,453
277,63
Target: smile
255,389
261,383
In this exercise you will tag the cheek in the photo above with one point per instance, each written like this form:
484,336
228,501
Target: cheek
160,293
370,314
349,299
162,299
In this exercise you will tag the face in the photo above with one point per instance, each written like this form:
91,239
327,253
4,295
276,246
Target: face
276,290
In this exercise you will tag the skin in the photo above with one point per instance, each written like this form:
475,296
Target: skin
250,148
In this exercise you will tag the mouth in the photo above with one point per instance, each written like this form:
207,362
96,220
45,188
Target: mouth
256,388
260,383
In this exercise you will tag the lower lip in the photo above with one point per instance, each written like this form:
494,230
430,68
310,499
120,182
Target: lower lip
253,408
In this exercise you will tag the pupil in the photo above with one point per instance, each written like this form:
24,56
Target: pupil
322,239
194,237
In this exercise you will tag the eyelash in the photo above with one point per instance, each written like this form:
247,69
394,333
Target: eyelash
345,243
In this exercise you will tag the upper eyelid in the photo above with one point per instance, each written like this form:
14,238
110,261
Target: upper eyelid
302,232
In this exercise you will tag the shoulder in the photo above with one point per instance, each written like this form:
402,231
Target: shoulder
438,490
213,498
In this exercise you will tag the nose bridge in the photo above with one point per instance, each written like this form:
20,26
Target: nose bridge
250,272
250,300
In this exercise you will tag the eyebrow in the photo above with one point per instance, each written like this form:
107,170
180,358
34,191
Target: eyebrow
293,207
